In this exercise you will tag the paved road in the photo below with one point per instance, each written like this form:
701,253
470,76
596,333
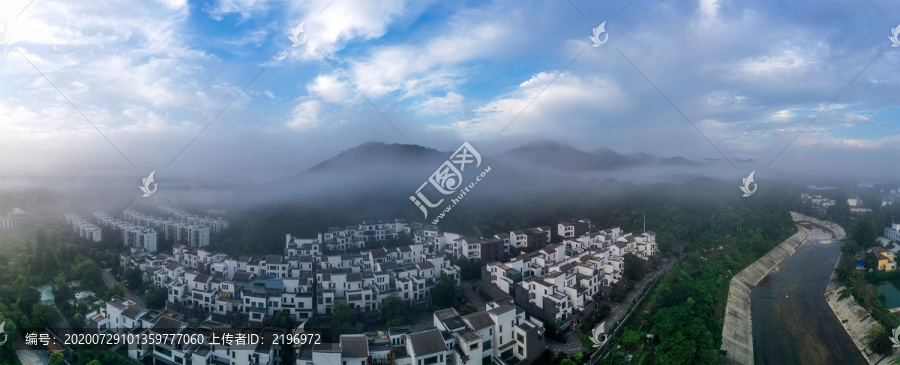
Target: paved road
621,310
109,281
30,357
573,341
472,295
572,345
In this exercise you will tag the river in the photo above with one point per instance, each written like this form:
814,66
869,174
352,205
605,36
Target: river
792,323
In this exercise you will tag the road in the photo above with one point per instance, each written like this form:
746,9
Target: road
621,311
30,357
109,281
572,345
573,342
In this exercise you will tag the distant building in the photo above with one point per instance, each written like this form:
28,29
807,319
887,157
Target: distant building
857,206
84,228
893,232
14,219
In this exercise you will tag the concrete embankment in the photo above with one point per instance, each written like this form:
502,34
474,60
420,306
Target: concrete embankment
835,229
853,317
737,331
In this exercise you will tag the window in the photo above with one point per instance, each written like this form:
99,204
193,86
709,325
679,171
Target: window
520,338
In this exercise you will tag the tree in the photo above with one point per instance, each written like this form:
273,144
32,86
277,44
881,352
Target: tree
79,320
61,290
43,316
880,341
467,309
135,278
445,291
156,297
393,312
865,232
871,261
631,338
117,289
57,358
94,362
340,320
90,274
8,350
634,267
281,319
28,297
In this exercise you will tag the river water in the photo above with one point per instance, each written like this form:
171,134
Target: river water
792,322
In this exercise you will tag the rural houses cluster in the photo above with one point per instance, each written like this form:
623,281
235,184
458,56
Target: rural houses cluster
562,282
542,288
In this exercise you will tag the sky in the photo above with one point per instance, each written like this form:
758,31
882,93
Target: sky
219,90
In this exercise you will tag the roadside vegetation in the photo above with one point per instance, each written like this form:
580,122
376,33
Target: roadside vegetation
861,283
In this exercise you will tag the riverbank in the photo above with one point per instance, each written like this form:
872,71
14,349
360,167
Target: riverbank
855,320
835,229
737,330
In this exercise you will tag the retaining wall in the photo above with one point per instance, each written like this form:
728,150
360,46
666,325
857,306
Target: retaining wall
853,317
834,227
737,331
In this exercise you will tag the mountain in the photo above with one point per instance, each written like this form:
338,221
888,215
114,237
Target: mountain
379,154
564,158
376,174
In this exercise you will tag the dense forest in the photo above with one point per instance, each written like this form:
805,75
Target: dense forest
51,254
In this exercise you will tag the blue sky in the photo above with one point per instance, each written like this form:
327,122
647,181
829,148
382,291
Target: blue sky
151,75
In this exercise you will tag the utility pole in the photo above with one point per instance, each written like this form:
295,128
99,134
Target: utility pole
645,222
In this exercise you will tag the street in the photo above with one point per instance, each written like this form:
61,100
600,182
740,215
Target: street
573,342
109,281
621,310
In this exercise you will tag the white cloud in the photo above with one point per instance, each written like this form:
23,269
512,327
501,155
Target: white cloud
245,8
174,4
305,115
330,88
442,105
345,21
569,99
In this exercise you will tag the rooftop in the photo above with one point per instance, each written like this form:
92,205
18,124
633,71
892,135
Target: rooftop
428,342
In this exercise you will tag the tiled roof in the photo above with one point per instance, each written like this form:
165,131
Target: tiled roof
133,311
428,342
479,320
354,346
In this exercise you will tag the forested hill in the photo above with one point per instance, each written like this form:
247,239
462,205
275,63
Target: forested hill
697,212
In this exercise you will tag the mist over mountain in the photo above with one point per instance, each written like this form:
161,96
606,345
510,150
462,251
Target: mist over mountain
562,157
384,175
